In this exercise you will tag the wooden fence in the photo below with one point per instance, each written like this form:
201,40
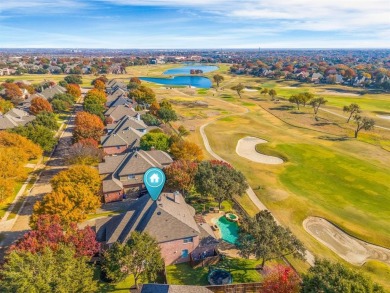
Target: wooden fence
236,288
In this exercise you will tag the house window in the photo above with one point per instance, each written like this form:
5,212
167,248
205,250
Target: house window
188,240
184,253
131,177
118,147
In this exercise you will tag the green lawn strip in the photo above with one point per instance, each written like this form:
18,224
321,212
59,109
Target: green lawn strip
16,208
8,201
105,214
242,270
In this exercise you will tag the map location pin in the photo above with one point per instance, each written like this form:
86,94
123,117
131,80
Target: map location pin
154,180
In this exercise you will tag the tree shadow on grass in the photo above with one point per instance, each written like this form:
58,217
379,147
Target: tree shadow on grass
259,99
283,108
326,124
334,138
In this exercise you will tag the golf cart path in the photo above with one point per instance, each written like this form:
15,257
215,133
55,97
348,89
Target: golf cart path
253,197
351,249
246,148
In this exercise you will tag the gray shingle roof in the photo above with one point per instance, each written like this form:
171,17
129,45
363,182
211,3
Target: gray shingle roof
118,112
141,161
15,117
129,137
112,185
165,219
49,93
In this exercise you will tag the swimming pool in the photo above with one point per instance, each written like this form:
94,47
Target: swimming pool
229,230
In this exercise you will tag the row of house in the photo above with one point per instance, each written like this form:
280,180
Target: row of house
124,164
14,118
169,219
20,115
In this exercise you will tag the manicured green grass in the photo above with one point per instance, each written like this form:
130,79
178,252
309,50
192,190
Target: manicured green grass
352,189
242,270
265,149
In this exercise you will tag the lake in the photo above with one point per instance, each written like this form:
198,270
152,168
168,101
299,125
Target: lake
186,69
195,81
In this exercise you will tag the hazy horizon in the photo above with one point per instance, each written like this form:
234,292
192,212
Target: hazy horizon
196,24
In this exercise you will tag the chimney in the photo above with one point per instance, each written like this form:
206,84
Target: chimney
138,116
176,197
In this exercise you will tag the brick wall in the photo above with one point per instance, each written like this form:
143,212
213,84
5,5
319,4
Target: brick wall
113,196
171,251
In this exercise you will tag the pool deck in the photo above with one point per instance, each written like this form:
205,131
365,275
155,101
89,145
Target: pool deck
224,247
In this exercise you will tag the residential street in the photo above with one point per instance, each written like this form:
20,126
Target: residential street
15,228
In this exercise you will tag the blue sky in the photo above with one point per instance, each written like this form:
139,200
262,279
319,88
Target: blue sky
194,24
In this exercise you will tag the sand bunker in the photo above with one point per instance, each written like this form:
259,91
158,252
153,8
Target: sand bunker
387,117
351,249
246,148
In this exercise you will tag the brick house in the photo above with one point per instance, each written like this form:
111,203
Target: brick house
122,175
169,219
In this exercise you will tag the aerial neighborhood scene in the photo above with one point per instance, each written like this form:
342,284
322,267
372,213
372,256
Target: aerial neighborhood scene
195,146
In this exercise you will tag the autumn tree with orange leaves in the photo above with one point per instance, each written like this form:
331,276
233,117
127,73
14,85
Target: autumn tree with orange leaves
99,85
39,105
15,151
75,194
181,175
74,90
186,150
88,126
12,93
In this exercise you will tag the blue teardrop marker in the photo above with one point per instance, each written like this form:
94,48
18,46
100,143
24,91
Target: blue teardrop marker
154,180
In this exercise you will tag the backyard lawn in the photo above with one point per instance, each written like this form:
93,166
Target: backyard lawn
242,270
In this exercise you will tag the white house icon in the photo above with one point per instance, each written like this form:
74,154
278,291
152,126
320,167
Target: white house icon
154,178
